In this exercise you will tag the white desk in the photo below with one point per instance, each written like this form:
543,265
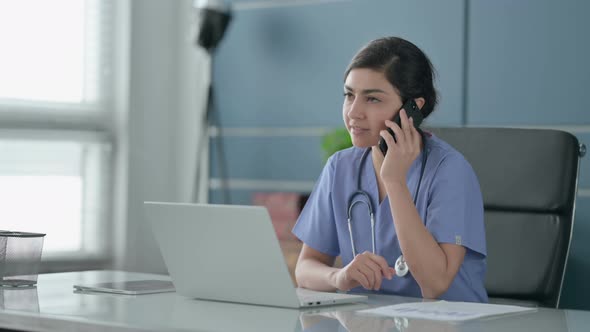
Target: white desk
54,306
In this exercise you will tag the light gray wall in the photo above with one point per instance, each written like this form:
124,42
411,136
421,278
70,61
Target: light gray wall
165,100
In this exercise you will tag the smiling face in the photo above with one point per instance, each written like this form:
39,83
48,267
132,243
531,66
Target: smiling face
369,100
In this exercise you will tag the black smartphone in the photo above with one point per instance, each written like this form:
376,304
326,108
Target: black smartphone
413,112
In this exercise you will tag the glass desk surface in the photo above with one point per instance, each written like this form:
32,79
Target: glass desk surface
55,306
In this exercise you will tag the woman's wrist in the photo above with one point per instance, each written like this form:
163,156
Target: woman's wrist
392,186
333,278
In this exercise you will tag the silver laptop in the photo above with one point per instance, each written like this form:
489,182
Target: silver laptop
229,253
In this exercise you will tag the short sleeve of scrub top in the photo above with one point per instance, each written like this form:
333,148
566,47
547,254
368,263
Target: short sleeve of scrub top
455,204
454,214
319,230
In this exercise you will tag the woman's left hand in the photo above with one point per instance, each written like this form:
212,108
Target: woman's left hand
401,154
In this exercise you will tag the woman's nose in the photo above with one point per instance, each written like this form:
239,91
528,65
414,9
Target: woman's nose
355,111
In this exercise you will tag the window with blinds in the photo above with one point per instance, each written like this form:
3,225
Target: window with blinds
56,122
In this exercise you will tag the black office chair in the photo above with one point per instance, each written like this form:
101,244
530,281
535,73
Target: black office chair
529,180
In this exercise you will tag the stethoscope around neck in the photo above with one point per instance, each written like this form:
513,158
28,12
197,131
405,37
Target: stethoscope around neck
401,268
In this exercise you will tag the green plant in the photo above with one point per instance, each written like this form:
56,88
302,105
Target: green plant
334,141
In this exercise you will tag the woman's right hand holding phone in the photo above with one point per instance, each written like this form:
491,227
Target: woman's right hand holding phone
366,270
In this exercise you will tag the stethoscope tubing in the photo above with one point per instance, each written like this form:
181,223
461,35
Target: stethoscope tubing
400,264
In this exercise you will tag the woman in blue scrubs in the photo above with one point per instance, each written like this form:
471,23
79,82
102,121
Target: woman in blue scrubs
439,233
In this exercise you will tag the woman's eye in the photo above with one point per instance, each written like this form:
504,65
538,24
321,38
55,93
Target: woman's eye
348,96
372,100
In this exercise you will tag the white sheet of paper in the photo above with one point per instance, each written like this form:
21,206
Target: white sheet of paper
446,311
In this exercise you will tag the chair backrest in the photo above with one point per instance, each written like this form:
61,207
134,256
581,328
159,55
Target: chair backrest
528,179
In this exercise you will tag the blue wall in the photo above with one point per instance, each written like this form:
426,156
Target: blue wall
279,70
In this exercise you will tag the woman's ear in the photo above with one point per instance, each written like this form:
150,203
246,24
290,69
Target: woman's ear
420,102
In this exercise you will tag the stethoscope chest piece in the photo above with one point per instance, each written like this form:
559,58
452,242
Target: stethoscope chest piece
401,268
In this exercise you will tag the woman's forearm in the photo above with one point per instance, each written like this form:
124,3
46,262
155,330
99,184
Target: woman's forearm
315,275
425,258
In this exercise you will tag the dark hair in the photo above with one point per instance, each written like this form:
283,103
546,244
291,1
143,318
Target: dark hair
405,66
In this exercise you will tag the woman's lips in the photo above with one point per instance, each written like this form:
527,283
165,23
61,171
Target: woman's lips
358,130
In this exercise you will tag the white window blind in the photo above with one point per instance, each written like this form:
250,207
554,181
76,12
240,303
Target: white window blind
56,119
53,184
55,52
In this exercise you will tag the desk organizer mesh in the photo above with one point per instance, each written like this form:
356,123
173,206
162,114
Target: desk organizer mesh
20,256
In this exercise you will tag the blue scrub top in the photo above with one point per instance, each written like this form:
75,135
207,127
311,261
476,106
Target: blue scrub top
449,203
